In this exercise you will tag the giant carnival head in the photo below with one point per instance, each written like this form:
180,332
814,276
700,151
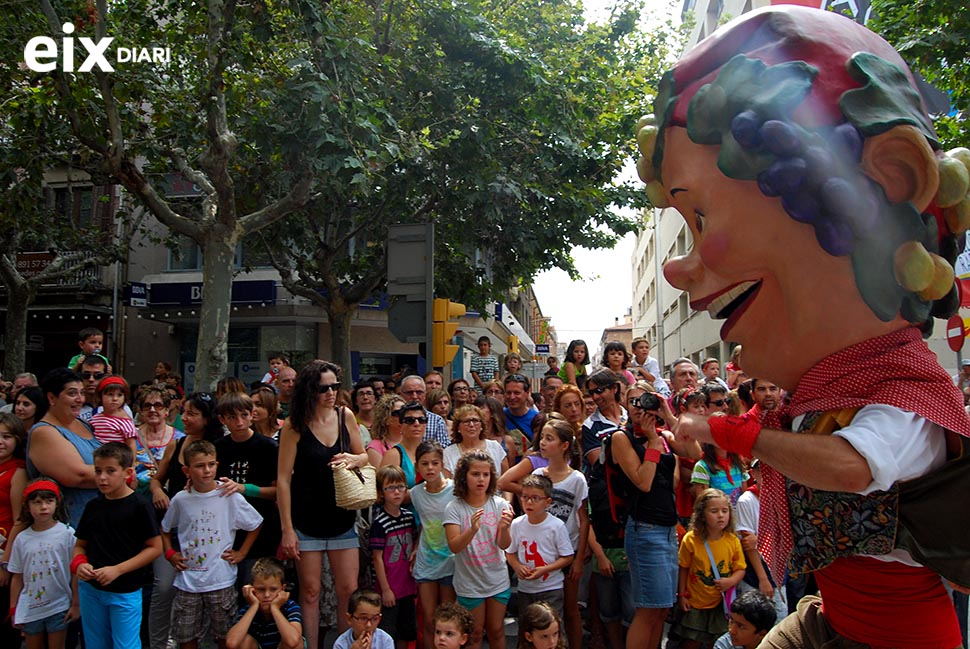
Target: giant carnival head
796,146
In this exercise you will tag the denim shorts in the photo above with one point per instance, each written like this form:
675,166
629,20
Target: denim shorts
349,540
50,624
447,580
615,597
652,552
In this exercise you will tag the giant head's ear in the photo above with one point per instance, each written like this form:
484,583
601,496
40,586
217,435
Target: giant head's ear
902,161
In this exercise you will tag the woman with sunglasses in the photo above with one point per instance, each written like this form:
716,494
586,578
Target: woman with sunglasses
644,455
603,387
317,435
414,424
386,433
468,436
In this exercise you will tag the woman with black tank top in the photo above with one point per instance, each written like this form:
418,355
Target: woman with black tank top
650,537
200,422
318,435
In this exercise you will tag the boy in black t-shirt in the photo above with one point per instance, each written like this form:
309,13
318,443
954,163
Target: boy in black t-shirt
117,539
248,459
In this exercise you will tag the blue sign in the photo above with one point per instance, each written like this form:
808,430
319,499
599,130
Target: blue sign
188,293
542,349
137,294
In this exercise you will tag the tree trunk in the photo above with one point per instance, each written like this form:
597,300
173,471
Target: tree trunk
340,315
15,331
219,257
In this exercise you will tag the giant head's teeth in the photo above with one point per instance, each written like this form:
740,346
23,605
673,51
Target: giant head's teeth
726,298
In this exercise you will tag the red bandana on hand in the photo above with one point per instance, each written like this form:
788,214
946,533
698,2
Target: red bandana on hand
896,369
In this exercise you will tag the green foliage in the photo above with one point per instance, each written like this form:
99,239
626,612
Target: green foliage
505,125
932,36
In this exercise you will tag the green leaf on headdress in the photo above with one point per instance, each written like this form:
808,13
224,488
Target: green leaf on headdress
885,100
781,88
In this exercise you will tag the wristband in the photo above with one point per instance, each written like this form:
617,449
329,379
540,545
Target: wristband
170,553
684,595
251,491
77,561
651,455
12,612
735,434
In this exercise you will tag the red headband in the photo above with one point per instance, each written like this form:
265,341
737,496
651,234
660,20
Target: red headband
42,485
110,381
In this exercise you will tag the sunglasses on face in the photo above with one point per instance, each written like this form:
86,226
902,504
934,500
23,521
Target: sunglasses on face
599,390
94,375
153,406
323,389
720,402
415,420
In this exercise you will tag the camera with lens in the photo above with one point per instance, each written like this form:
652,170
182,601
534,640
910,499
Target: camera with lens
647,401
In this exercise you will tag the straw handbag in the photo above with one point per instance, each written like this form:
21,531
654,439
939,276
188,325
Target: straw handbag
354,488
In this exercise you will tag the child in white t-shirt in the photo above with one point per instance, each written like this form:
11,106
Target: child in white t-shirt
42,591
540,547
207,522
477,528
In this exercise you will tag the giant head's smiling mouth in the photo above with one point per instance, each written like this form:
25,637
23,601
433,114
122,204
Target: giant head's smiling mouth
723,304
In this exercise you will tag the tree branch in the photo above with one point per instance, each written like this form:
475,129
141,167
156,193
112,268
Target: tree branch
294,199
222,142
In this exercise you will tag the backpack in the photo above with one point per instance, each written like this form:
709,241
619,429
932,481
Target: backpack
611,495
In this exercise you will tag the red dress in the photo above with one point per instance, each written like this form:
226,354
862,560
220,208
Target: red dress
7,517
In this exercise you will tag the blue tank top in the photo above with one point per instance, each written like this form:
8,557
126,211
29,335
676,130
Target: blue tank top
407,466
74,498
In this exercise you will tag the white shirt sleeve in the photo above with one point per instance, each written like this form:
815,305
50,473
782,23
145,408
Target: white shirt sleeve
897,445
748,509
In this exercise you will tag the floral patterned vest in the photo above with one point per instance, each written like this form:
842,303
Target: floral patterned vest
827,525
